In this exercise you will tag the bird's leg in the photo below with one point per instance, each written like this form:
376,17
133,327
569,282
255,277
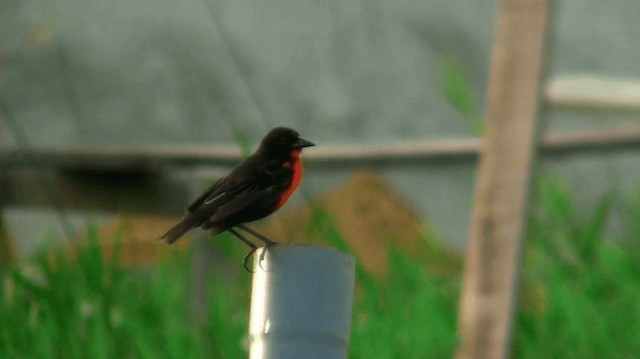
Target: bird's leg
267,242
252,247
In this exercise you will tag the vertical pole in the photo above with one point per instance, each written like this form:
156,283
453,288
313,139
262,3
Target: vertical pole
202,257
498,220
6,245
301,303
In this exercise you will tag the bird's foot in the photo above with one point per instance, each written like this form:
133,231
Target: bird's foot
266,246
245,260
267,243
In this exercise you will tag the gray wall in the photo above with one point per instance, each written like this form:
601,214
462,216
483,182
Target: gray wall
180,72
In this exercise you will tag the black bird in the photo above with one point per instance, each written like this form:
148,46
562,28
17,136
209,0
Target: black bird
256,188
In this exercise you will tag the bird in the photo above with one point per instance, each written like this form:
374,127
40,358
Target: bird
256,188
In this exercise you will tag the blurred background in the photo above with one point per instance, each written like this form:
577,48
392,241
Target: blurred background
116,114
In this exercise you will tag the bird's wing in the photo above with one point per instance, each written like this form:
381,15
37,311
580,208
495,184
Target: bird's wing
259,198
214,191
250,184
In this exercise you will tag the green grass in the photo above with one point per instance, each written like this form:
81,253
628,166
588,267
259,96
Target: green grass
456,88
580,298
588,300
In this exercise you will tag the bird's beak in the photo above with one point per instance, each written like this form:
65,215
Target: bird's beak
301,142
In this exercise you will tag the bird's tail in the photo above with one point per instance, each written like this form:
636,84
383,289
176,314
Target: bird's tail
182,227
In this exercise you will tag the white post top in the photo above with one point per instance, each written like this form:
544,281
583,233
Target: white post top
301,303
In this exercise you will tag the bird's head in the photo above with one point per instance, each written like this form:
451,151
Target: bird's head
282,142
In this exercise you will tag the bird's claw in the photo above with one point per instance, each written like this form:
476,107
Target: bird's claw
264,249
245,260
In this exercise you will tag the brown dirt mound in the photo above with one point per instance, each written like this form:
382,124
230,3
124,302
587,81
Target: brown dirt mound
365,212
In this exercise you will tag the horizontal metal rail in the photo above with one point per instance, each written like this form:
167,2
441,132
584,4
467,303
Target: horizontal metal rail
593,92
133,157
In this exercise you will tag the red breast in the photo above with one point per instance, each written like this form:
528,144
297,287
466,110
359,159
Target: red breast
296,165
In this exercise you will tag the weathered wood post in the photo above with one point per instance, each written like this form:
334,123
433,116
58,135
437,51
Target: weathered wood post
301,303
499,215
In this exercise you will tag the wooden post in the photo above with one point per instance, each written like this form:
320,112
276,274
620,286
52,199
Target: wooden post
501,198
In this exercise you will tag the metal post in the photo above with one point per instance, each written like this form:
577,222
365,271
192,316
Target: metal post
301,303
6,244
